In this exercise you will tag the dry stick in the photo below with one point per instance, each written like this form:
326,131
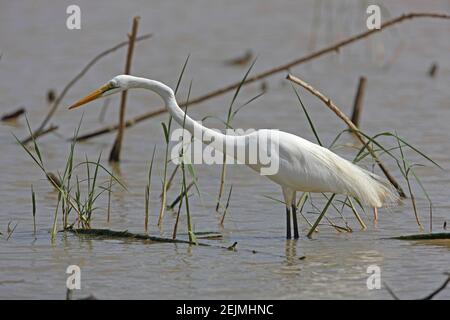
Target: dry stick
333,48
75,80
181,195
358,103
115,151
428,297
48,130
351,125
442,287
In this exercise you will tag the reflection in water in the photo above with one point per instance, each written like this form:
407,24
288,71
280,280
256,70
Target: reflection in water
291,251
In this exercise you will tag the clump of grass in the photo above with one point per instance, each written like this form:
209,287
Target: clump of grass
69,192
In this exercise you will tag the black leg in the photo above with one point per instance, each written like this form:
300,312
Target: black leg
288,223
294,218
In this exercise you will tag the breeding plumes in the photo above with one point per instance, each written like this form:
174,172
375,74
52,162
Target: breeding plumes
301,164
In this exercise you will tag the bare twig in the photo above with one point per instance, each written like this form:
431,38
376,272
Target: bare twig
45,131
333,48
428,297
75,80
442,287
115,151
181,195
391,292
351,125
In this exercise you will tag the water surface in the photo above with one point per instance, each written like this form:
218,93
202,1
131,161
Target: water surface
39,53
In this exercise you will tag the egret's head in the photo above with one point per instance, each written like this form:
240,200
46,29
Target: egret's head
115,85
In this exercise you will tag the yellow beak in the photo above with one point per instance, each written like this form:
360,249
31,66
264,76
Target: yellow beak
90,97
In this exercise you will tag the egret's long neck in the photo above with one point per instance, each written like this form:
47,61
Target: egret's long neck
167,94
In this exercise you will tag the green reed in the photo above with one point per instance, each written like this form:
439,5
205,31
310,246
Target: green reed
69,192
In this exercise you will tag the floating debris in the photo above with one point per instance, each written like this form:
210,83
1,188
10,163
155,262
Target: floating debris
433,70
13,115
242,60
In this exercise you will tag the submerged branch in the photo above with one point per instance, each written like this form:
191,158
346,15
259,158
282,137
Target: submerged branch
106,233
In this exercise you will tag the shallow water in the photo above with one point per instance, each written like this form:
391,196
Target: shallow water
39,53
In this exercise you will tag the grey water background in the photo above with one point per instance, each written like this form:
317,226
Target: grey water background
39,53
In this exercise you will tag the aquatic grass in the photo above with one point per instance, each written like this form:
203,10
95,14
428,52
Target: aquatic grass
147,190
404,172
192,237
177,219
69,195
108,209
166,130
402,163
33,202
308,118
355,212
226,206
372,147
171,178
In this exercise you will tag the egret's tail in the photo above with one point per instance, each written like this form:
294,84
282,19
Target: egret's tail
384,190
371,189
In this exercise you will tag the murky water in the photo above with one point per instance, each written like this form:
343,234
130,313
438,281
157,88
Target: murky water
39,53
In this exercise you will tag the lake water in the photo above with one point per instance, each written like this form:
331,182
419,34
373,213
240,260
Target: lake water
40,53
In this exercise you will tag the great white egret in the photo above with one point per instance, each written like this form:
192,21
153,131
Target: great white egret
302,165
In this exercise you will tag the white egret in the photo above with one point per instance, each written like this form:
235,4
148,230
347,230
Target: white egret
303,165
